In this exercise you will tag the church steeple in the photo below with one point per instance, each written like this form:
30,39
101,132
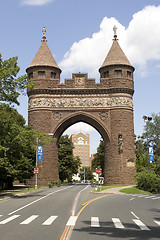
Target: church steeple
115,55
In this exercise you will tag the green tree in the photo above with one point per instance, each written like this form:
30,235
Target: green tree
152,133
98,160
68,164
10,85
17,146
88,173
141,156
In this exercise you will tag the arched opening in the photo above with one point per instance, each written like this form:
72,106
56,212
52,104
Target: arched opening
100,131
81,117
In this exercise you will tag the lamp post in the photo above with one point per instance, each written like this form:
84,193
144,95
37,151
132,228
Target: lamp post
146,120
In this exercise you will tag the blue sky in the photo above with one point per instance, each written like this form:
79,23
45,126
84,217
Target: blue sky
79,34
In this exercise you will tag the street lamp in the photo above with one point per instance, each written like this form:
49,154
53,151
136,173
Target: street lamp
146,120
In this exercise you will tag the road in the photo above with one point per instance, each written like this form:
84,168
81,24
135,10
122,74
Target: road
74,213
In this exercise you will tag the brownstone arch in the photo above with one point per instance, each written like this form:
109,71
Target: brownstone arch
106,105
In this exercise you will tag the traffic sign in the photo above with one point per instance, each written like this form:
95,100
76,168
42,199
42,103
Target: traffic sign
151,153
35,170
98,170
40,153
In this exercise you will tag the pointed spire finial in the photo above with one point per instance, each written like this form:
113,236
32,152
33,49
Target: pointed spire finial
44,34
115,32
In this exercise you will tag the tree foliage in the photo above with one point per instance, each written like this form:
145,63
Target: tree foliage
10,85
17,145
148,174
68,164
17,141
98,160
88,173
152,133
150,136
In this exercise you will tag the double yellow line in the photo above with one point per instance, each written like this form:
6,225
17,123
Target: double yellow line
68,229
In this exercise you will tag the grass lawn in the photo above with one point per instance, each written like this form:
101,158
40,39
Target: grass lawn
132,190
129,190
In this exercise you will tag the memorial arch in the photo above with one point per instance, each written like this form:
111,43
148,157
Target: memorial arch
106,105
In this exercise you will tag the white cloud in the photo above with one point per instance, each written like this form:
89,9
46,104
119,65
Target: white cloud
79,127
140,42
36,2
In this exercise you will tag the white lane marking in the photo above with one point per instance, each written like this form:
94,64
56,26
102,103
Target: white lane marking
1,215
73,209
141,196
117,223
150,196
141,224
30,219
156,198
131,199
9,219
95,222
27,205
134,215
50,220
158,222
72,221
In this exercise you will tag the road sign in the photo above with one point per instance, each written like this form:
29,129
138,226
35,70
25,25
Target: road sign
40,153
98,170
35,170
151,153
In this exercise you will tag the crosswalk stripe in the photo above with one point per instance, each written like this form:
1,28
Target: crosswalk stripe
30,219
117,223
1,215
140,196
71,221
9,219
50,220
95,222
150,196
158,222
141,225
156,198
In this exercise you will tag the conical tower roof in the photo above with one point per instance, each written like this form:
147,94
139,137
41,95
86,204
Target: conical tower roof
44,56
115,55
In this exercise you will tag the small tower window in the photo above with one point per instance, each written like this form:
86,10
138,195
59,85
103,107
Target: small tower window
106,74
30,75
118,73
53,75
128,74
41,73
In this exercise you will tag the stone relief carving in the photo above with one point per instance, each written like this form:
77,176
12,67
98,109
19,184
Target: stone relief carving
103,115
120,143
80,102
57,116
79,81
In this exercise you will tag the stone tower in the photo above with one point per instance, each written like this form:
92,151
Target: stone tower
45,74
107,106
117,72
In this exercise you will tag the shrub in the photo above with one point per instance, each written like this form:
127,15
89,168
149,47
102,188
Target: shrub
148,181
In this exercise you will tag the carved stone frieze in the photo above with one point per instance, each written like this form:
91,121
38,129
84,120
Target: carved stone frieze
96,102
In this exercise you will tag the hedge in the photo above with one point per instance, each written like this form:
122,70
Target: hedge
148,181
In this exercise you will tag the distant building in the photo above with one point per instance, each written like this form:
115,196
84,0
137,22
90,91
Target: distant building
81,143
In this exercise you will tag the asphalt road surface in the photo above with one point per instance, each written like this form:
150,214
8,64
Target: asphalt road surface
74,213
